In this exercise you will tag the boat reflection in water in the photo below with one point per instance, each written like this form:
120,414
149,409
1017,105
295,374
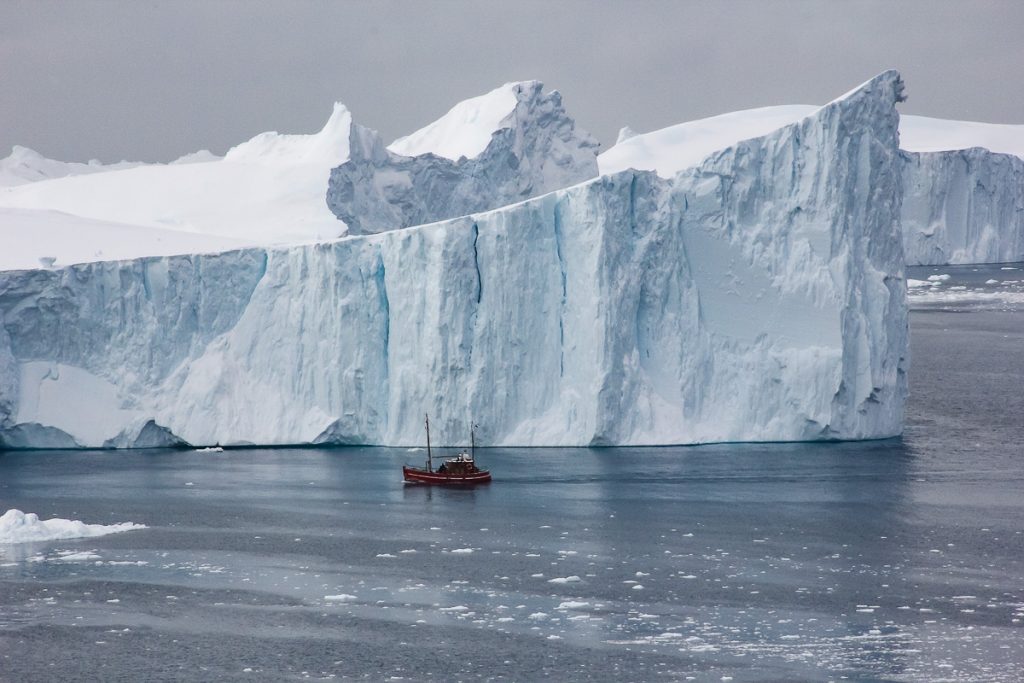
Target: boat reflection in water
459,471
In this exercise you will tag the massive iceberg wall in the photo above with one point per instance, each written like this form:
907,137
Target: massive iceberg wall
757,296
963,206
536,149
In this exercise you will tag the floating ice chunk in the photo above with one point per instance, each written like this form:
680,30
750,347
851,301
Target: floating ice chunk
565,579
72,556
20,527
462,551
572,604
939,278
341,597
456,608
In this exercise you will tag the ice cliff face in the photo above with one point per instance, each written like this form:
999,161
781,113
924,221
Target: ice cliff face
757,296
535,148
963,206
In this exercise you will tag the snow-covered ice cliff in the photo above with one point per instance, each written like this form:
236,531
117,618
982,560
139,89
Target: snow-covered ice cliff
511,144
759,295
964,181
963,206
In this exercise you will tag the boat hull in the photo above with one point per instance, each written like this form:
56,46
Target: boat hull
415,475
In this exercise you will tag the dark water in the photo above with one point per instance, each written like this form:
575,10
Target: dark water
888,560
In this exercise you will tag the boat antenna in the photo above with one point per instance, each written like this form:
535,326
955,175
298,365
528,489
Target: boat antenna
430,460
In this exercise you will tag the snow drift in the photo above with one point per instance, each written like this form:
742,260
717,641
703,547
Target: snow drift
758,295
511,144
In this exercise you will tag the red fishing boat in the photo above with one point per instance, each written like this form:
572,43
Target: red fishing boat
460,470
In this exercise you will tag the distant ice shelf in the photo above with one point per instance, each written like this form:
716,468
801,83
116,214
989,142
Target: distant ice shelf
757,295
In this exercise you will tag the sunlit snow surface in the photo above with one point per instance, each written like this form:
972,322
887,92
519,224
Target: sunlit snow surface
267,190
465,130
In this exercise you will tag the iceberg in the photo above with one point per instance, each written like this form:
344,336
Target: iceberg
757,295
963,180
963,206
509,145
20,527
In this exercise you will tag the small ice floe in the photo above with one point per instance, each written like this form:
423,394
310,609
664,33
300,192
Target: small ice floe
538,616
341,597
456,608
554,637
565,579
386,555
638,587
572,604
210,449
461,551
74,556
991,282
938,278
21,527
1007,268
407,551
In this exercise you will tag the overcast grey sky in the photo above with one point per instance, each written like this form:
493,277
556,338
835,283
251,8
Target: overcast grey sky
151,80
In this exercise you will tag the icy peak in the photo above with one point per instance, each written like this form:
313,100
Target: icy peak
625,133
466,130
329,147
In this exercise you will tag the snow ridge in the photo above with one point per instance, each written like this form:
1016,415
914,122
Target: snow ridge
26,165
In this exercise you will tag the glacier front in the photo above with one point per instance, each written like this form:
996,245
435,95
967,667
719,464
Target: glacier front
758,295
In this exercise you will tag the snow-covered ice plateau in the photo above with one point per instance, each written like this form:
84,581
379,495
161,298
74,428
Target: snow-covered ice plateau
511,144
963,180
758,295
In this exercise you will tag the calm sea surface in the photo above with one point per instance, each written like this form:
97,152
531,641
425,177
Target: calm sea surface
890,560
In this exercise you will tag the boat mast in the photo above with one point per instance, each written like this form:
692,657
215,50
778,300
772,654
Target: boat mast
472,443
430,460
